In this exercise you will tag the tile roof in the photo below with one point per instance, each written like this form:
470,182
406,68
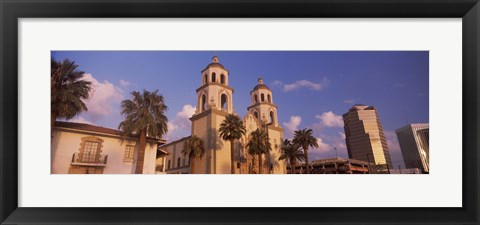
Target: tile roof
97,129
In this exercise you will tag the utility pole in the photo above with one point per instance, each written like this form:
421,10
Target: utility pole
336,153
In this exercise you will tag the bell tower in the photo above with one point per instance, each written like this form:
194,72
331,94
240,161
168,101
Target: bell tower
265,112
214,92
261,104
215,102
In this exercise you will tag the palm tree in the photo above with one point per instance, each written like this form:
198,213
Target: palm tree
259,145
305,139
143,116
291,152
232,129
193,147
68,90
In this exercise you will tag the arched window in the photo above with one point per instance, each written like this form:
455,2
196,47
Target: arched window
224,104
255,114
169,164
178,162
262,97
204,102
222,79
214,78
255,98
269,98
205,80
272,116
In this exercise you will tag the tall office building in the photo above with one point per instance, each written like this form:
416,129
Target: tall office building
414,142
364,135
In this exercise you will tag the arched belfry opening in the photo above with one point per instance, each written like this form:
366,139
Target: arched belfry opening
255,98
224,102
214,77
205,79
269,99
203,102
272,117
222,79
262,97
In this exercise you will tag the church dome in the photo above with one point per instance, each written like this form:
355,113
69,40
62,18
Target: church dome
260,85
215,63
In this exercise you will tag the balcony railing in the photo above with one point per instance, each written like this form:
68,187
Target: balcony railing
88,159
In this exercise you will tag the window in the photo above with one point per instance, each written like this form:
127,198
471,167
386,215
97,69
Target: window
129,150
272,116
168,164
205,80
222,79
269,99
90,151
214,78
255,98
262,97
255,114
204,102
224,105
178,162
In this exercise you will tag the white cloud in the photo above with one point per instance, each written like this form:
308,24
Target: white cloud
80,119
124,83
322,146
306,84
104,99
348,101
327,145
277,83
292,125
330,119
180,126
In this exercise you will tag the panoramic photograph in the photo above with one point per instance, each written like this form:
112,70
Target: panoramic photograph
240,112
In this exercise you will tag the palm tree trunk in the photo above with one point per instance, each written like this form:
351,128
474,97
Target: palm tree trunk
141,152
292,164
192,165
53,117
306,159
232,157
253,163
259,163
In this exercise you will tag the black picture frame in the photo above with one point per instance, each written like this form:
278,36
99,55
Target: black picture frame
11,11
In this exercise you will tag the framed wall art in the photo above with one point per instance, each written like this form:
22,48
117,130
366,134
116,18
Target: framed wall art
299,112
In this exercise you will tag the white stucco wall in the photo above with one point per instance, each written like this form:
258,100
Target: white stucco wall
67,142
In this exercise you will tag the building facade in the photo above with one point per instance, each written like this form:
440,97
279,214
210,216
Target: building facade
414,143
364,136
214,103
79,148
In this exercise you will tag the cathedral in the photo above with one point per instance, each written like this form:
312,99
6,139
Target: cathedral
215,102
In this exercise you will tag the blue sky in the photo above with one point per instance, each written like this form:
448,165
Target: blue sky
311,88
